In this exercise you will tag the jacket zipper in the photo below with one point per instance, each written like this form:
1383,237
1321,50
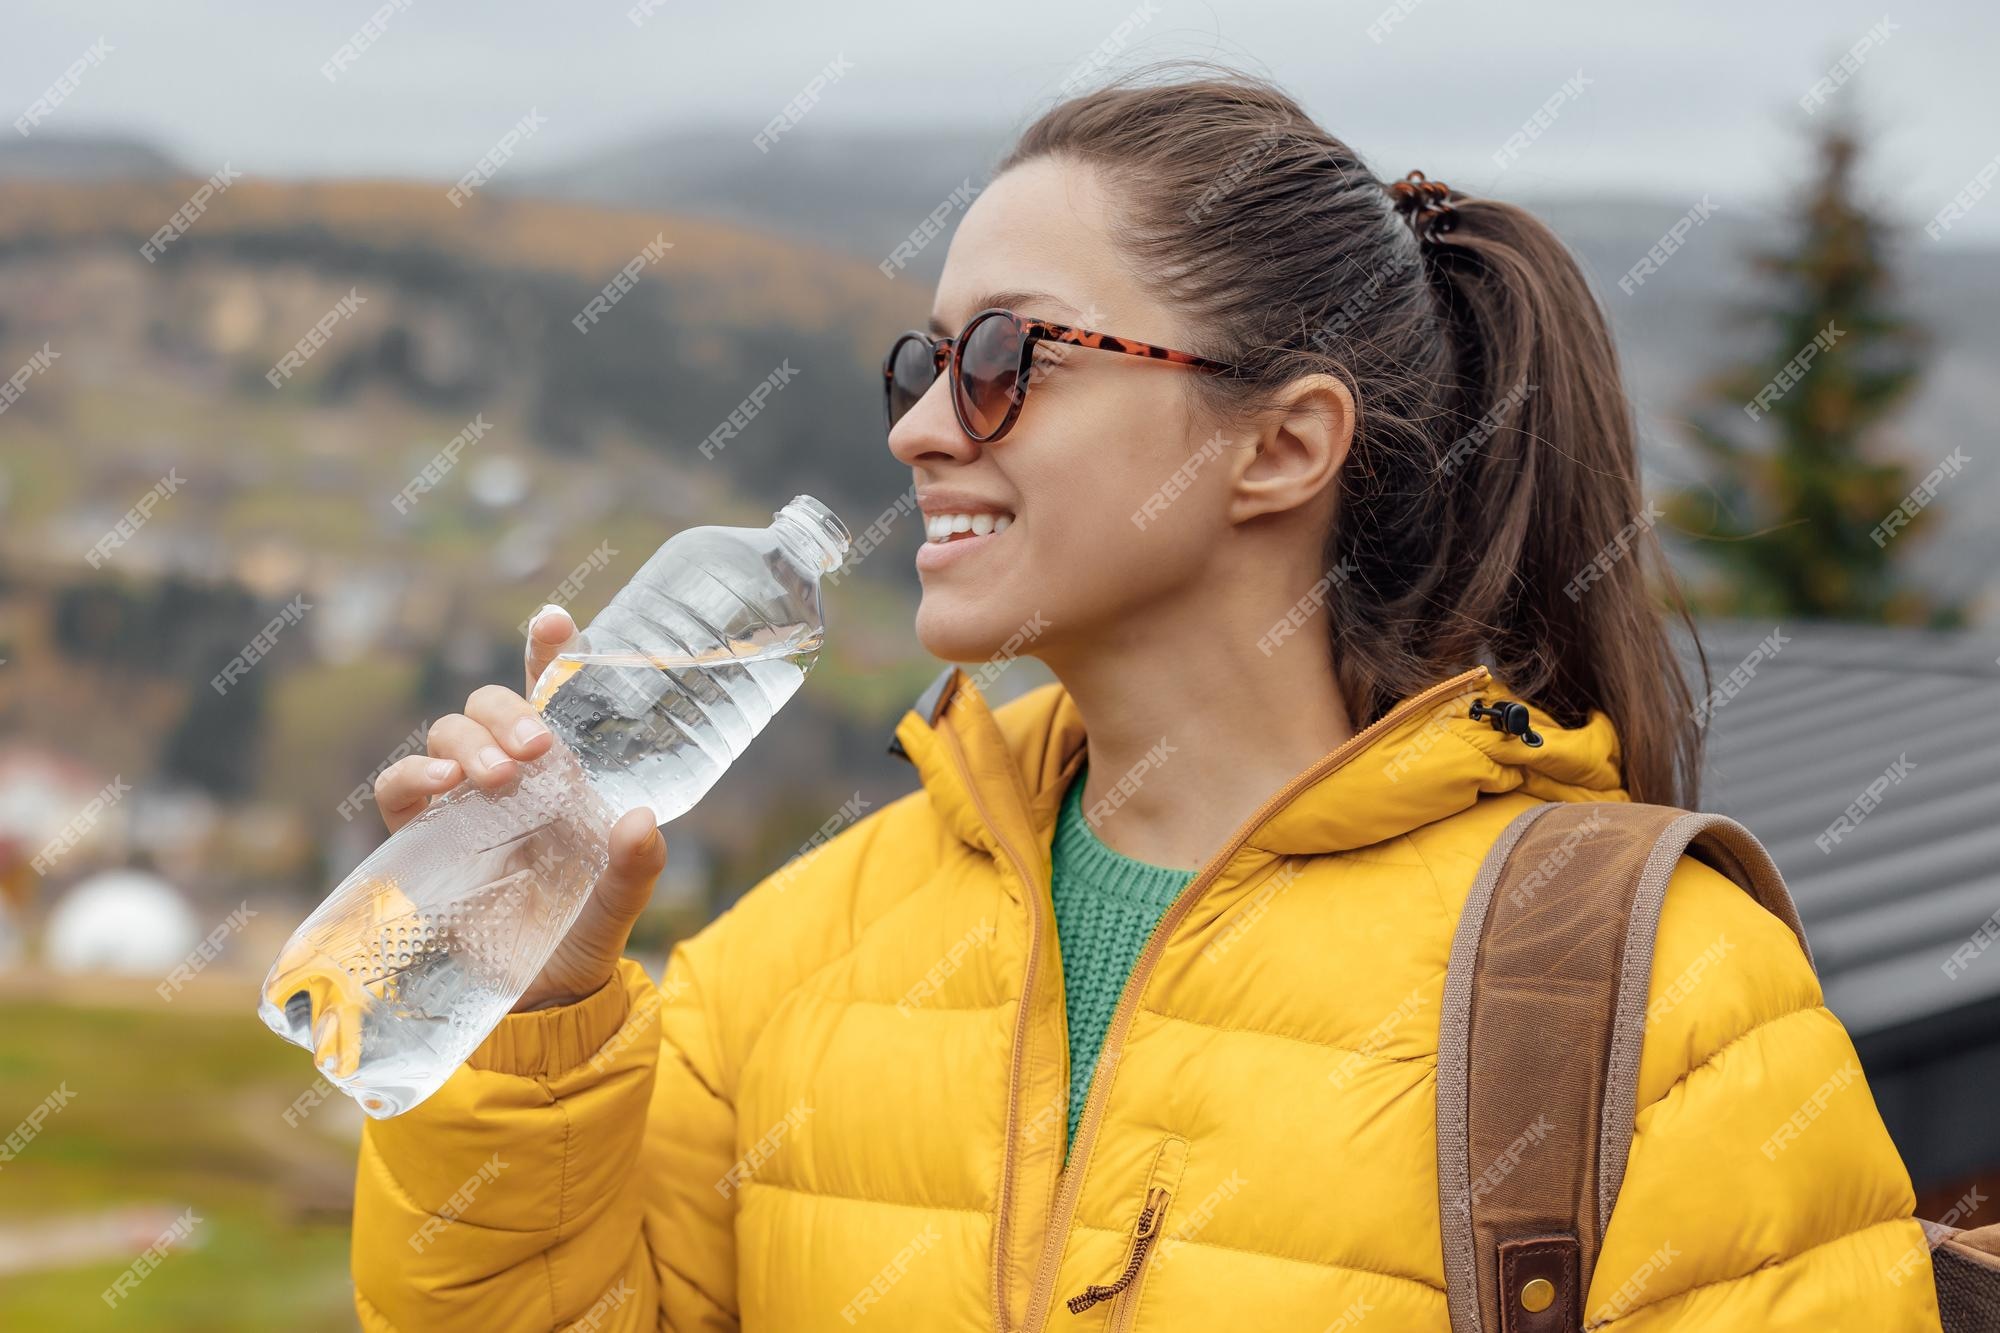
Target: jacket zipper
1030,892
1143,1237
1071,1183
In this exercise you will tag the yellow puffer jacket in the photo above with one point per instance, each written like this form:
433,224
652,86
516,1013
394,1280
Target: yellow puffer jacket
844,1105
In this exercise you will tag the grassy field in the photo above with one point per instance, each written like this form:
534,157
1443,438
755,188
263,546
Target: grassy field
172,1107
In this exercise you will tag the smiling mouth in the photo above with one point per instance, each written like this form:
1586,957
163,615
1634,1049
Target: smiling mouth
942,528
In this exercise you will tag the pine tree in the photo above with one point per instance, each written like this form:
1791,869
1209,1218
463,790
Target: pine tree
1798,482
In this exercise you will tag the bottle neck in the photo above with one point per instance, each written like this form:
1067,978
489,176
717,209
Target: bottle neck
810,531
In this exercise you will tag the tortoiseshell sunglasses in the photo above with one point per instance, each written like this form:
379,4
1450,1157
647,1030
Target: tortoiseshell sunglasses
992,364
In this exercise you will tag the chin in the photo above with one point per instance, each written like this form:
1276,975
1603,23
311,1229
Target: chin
953,628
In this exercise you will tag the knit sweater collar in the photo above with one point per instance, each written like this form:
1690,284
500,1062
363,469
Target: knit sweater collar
1078,851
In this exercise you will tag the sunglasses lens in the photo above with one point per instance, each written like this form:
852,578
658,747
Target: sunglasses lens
989,372
912,368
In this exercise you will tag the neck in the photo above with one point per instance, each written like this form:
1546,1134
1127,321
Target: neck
1200,725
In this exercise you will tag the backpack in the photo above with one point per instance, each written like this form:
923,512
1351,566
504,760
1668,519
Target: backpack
1557,934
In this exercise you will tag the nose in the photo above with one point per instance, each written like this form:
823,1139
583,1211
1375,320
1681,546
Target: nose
929,431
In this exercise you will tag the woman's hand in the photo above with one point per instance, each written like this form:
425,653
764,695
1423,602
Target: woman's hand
497,728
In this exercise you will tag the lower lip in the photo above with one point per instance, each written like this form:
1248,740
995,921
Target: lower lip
938,555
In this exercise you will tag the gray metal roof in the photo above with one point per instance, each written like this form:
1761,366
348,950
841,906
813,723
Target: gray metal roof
1831,711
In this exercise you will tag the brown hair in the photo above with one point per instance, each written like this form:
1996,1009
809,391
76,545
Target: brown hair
1489,507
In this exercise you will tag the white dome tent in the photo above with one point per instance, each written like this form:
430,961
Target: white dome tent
126,921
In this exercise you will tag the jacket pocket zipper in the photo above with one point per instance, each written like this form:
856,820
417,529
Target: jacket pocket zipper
1143,1237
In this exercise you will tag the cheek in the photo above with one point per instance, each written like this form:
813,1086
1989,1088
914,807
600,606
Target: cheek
1116,467
1117,530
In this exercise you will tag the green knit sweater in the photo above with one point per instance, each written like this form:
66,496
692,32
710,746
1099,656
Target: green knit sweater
1106,906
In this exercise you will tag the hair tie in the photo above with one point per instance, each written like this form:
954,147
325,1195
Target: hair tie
1424,204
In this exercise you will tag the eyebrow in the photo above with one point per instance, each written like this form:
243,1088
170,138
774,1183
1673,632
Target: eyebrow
1006,299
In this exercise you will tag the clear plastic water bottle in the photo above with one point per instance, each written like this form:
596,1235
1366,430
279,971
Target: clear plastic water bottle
419,953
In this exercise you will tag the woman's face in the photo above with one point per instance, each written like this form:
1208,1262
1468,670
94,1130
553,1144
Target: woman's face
1112,501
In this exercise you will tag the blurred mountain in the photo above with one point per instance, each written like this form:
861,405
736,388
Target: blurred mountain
85,157
861,191
460,310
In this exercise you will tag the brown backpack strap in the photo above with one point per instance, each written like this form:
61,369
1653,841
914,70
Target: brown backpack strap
1538,1045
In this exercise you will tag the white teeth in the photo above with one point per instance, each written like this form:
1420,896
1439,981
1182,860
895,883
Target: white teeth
941,527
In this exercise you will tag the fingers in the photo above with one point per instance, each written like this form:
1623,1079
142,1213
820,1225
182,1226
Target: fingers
497,728
510,721
404,788
638,854
476,749
550,629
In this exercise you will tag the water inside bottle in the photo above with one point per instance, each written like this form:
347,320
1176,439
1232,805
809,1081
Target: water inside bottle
658,729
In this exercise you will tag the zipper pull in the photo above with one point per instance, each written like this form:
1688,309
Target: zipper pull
1142,1242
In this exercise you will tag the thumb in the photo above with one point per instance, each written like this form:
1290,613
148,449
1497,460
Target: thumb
638,854
549,632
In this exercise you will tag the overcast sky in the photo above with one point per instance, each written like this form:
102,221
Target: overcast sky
1704,102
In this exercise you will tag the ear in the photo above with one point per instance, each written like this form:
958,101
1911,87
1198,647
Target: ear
1298,450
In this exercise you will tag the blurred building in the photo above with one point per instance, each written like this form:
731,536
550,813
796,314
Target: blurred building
41,793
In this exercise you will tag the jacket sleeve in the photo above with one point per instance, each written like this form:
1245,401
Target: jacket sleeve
1762,1191
508,1199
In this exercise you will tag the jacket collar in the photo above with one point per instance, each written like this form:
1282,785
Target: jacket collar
998,772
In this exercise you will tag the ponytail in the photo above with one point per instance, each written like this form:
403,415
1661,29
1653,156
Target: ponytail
1555,544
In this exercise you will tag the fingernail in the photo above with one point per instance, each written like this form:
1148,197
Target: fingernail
440,769
492,757
526,730
536,621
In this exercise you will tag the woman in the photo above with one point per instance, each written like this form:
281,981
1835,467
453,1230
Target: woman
1165,940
